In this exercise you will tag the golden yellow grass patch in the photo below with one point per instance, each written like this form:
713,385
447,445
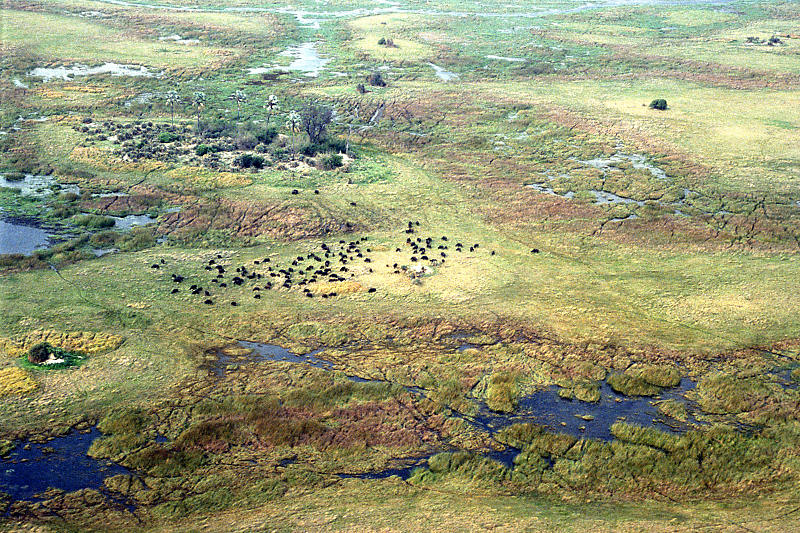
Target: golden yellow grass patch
87,342
339,287
104,160
397,27
16,381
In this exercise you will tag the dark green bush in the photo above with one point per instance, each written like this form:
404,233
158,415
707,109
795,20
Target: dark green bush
336,145
167,137
266,135
246,141
376,79
312,149
250,160
281,154
203,149
659,104
331,162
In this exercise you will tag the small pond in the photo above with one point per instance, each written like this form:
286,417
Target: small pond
128,222
37,186
305,59
507,59
20,238
637,161
61,463
442,73
68,73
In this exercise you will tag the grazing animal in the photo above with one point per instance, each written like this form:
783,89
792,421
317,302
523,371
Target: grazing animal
174,291
372,289
316,191
209,302
535,251
154,266
295,191
234,304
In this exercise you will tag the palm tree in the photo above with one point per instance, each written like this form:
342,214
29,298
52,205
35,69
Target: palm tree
172,98
239,97
271,106
293,125
199,101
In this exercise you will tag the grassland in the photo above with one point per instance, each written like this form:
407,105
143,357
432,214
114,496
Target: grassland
608,249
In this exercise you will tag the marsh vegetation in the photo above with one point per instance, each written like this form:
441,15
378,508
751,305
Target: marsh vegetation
416,265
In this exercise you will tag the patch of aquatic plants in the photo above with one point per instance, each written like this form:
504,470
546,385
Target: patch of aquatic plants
639,460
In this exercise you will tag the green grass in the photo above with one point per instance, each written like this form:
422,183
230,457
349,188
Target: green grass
646,301
34,32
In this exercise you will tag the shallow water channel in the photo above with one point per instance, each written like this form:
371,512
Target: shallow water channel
544,407
69,73
305,59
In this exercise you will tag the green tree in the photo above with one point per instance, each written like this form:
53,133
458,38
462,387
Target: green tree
199,101
239,97
172,98
315,119
271,106
294,125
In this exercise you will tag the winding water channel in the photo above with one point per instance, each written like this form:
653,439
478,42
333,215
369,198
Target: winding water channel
544,407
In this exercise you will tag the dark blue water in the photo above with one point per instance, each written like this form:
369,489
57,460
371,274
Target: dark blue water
18,238
271,352
547,408
25,473
403,469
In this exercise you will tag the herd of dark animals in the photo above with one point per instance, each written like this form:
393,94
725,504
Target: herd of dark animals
328,263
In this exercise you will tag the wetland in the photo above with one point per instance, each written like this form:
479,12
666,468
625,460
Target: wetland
363,265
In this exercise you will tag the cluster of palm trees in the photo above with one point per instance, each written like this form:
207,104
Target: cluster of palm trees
172,98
